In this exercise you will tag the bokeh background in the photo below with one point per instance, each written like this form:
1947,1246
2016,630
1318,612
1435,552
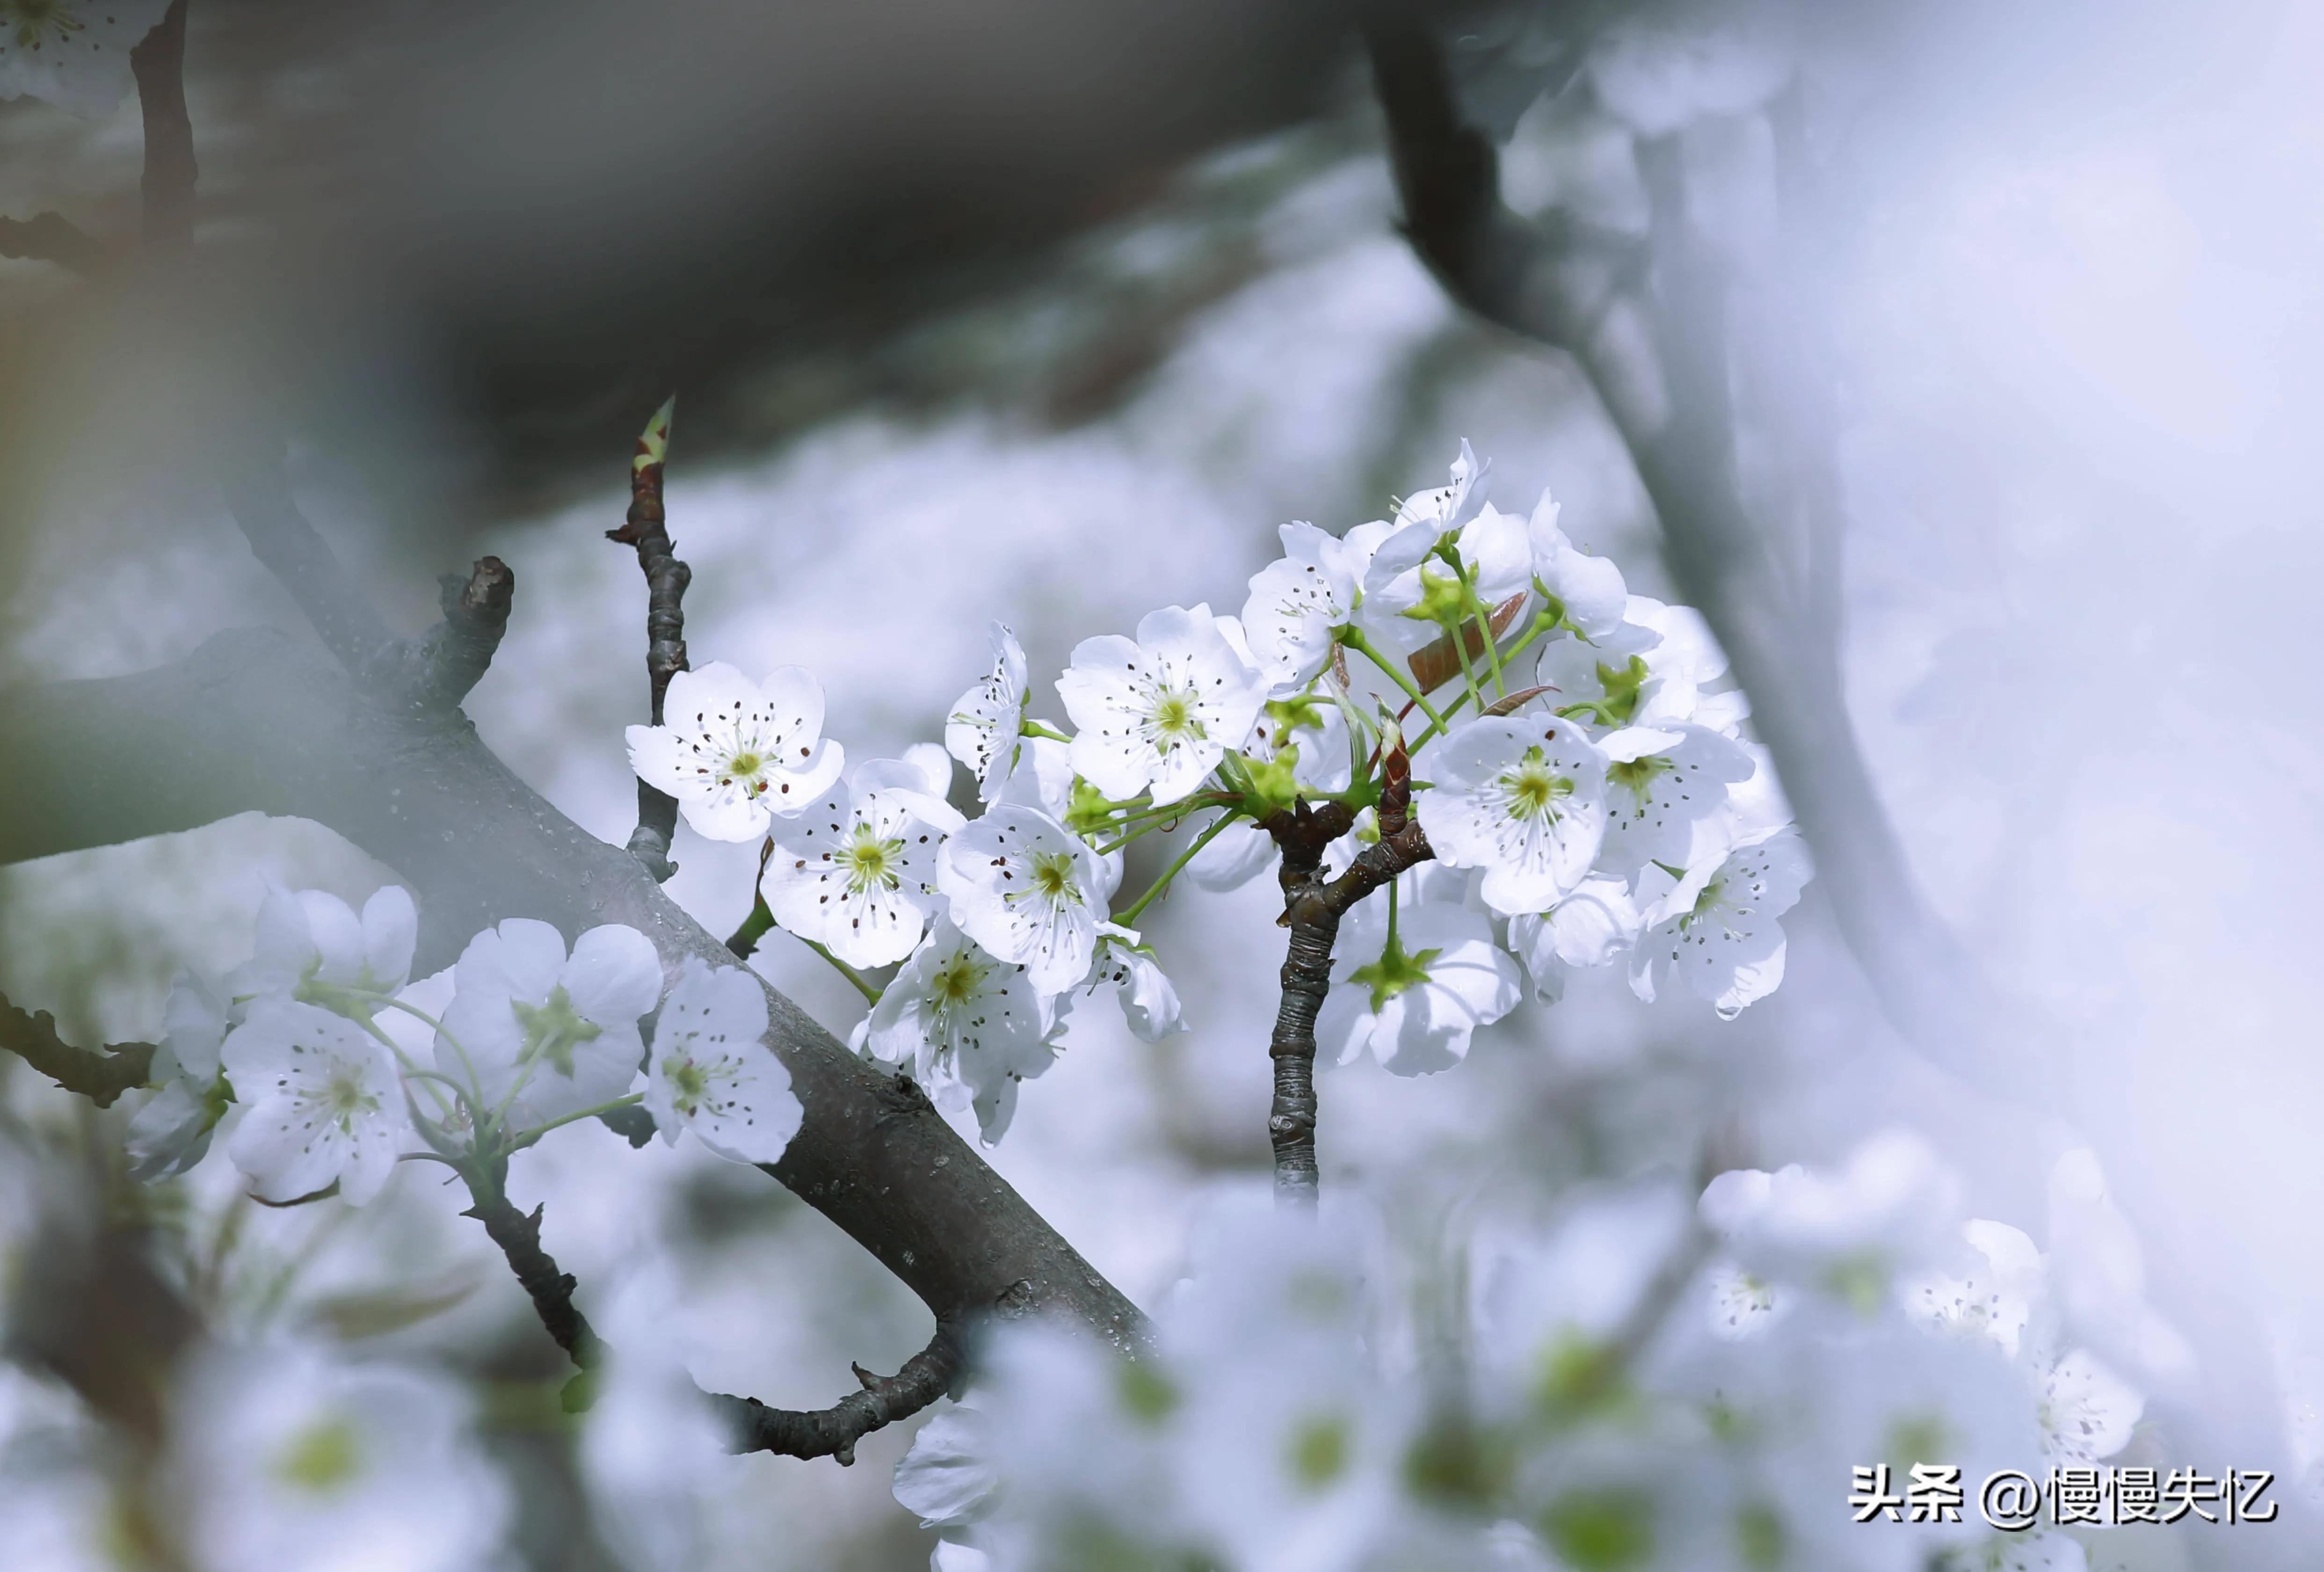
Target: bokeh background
1052,313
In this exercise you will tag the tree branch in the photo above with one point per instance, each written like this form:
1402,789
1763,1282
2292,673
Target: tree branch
249,723
833,1432
168,185
53,237
753,1426
457,652
1659,361
100,1077
1312,910
666,581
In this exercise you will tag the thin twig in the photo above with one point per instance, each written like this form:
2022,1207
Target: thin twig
752,1426
100,1077
646,528
833,1432
53,237
168,185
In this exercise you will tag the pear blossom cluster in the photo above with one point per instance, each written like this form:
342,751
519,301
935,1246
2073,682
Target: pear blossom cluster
1581,1414
323,1064
1587,788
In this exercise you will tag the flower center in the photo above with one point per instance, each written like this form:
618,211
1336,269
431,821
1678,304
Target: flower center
345,1099
1535,789
37,20
1319,1450
743,766
871,861
552,1031
321,1457
689,1083
1052,878
1175,716
957,981
1637,776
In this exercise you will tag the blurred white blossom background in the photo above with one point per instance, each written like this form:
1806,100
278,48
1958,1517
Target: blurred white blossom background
2075,336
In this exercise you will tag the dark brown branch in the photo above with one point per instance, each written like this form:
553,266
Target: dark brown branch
168,185
457,652
100,1077
1312,910
248,722
646,528
830,1432
1659,362
53,237
833,1432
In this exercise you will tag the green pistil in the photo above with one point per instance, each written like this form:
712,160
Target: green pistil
1393,973
1623,684
321,1457
1303,711
552,1031
870,861
1319,1450
1636,775
1053,877
745,764
1443,600
1535,789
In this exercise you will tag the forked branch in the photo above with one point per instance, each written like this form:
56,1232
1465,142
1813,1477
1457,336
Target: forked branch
99,1076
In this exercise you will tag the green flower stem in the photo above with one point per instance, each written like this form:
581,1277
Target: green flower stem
754,928
412,1071
520,1143
1354,639
1484,625
476,1085
1127,918
1029,728
864,985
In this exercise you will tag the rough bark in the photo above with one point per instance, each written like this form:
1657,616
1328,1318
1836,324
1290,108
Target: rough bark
167,183
253,721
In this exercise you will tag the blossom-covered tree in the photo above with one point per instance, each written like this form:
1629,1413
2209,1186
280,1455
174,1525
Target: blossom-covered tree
1485,775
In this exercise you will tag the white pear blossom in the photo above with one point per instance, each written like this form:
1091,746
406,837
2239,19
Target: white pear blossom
1160,712
1233,857
558,1034
290,1457
1588,928
970,1024
1665,786
856,871
1029,891
324,1103
1860,1233
711,1071
948,1479
1649,670
311,946
736,753
1149,1002
1718,927
172,1132
1523,798
1587,592
1414,1003
72,52
2086,1411
1992,1293
1043,778
1298,601
985,726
